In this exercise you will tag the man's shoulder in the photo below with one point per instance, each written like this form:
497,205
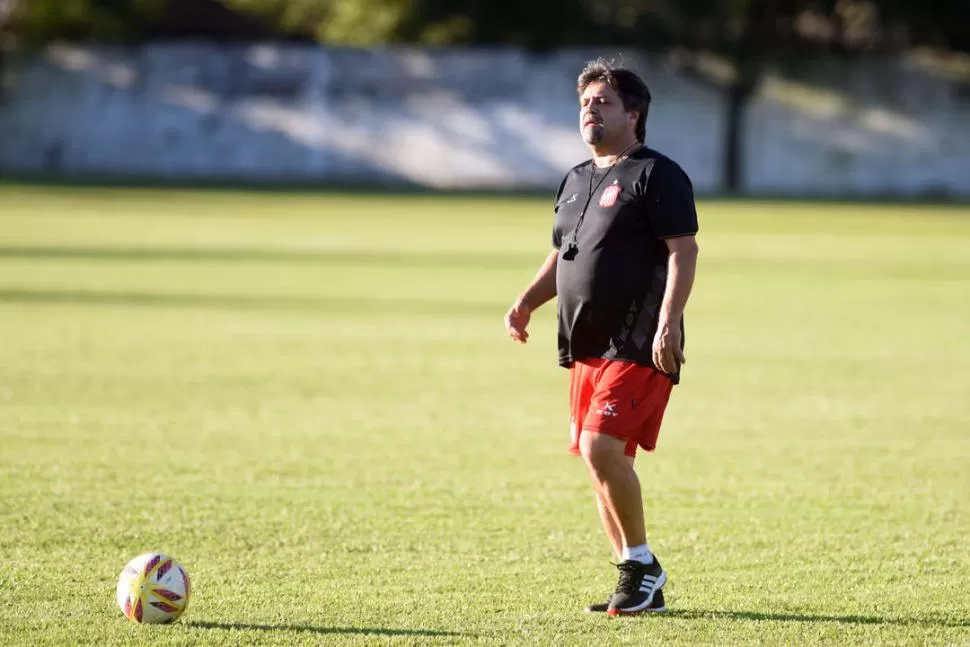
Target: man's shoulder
657,160
571,177
579,167
660,170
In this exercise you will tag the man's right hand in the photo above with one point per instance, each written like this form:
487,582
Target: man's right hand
517,320
542,289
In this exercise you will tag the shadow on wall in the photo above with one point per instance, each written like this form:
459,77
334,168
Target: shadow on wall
455,119
272,113
899,130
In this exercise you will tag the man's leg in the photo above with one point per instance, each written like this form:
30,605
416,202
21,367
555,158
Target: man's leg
610,525
617,486
621,510
612,530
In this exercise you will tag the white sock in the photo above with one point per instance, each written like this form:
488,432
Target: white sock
639,553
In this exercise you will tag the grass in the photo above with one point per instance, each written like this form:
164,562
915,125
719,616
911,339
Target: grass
310,401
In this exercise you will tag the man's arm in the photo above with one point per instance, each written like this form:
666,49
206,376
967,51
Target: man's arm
542,289
681,266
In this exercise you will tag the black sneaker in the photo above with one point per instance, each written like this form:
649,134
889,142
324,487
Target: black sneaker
657,605
637,587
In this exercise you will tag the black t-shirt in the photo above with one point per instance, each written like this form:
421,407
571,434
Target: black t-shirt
612,270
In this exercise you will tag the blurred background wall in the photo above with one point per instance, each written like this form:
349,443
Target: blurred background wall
228,95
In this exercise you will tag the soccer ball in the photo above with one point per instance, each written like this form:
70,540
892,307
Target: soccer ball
153,588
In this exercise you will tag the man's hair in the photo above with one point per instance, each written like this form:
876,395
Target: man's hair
632,90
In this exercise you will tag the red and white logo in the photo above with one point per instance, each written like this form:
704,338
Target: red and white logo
610,194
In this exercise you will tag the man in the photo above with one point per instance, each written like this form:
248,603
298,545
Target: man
622,267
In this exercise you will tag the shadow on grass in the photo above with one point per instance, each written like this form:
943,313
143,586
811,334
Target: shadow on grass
355,258
806,617
336,305
365,631
400,187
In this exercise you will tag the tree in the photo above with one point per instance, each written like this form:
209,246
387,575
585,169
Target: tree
759,37
5,10
41,21
346,22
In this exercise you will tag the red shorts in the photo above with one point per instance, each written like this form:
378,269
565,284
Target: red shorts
622,399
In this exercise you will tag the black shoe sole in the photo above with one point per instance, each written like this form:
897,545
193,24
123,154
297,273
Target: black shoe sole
657,605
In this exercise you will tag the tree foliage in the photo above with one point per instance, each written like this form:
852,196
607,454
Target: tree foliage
41,21
830,25
824,26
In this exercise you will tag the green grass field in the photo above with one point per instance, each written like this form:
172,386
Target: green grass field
310,401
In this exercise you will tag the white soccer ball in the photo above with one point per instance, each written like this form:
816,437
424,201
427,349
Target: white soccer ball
153,588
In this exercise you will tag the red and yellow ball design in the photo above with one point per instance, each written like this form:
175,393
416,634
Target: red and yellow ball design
153,589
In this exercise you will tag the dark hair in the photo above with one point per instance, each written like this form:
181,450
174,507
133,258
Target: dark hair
632,90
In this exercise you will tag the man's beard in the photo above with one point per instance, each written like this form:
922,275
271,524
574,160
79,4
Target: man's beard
593,134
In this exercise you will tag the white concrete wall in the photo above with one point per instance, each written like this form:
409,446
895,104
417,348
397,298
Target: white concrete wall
865,128
453,119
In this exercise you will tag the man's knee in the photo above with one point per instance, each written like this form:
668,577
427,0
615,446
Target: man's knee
602,452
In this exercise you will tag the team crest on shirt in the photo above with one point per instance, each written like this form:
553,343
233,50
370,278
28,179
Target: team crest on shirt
610,194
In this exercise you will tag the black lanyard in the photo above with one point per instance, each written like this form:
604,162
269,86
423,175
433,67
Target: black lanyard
572,246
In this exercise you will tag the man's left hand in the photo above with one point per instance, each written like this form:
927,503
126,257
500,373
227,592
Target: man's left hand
667,354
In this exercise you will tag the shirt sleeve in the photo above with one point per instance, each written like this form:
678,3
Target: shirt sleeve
671,201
